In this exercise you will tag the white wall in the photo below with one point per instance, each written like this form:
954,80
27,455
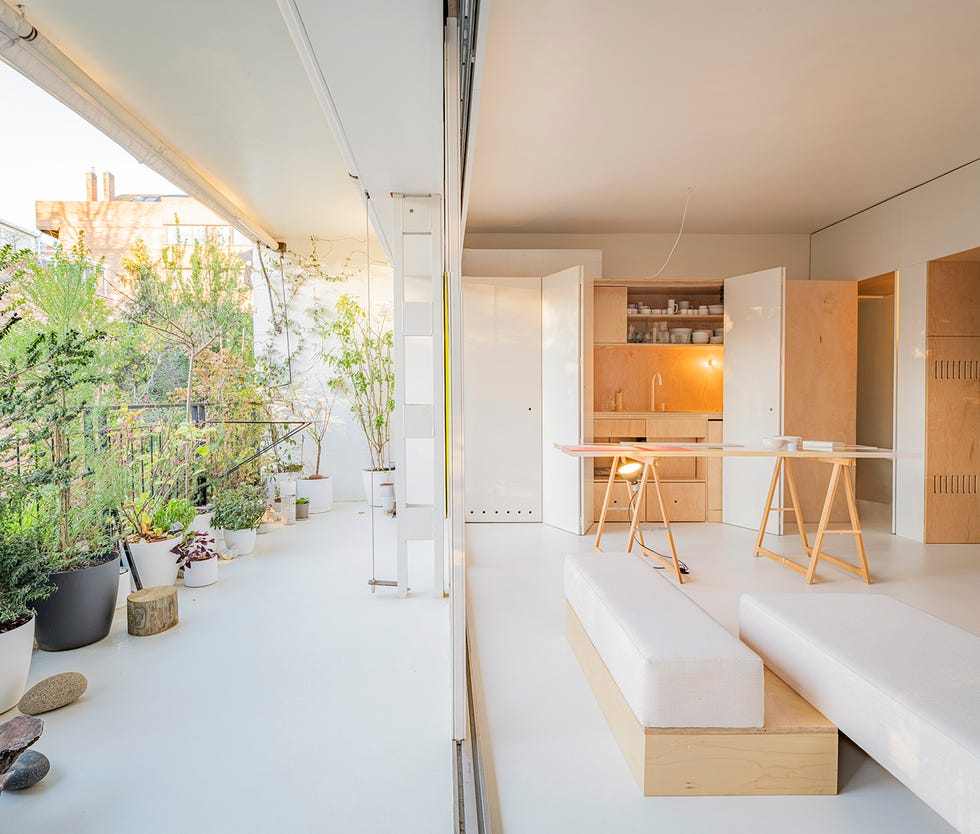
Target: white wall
876,394
640,255
345,450
934,220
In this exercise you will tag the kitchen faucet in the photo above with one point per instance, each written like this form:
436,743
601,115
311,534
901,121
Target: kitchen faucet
653,389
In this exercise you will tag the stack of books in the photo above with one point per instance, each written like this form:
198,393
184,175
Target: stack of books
823,446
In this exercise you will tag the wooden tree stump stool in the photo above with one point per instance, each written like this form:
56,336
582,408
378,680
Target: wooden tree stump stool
151,610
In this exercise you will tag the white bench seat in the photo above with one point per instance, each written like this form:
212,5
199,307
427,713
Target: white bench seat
902,684
674,664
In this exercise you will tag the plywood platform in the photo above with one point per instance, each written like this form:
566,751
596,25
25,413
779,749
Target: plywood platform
795,753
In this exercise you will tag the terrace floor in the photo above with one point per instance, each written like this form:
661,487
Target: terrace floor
289,698
552,763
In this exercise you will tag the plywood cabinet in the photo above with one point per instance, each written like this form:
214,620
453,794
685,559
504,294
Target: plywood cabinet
687,482
610,315
952,488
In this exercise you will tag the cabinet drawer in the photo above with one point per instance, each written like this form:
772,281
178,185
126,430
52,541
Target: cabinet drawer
677,469
614,427
618,504
665,428
685,501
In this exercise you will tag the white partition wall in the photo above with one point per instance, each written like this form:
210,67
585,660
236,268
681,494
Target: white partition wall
418,428
502,398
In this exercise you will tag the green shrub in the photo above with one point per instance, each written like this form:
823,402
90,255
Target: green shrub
239,509
23,579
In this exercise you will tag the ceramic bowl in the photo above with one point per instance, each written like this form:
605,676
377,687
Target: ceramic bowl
716,340
716,309
719,331
774,444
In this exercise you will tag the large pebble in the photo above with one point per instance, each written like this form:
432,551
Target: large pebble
29,769
53,693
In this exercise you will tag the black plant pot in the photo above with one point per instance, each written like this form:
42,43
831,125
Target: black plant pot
80,611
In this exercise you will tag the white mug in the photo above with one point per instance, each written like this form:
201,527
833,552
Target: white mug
670,306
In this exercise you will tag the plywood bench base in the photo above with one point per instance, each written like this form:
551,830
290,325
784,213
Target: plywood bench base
795,753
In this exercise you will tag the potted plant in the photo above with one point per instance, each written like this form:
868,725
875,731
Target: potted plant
156,527
23,582
316,408
361,360
302,508
48,497
199,560
237,512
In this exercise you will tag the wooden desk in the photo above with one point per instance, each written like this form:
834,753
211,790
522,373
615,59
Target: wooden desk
649,453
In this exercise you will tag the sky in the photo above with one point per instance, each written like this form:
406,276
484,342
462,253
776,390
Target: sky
45,150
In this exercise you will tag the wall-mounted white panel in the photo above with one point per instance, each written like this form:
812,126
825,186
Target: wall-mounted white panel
418,420
417,215
753,390
418,524
562,396
418,369
502,398
418,289
910,402
417,319
419,455
418,254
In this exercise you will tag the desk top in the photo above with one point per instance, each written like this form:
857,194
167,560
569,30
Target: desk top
649,451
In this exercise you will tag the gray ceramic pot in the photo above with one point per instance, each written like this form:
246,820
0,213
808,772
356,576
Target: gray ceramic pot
80,611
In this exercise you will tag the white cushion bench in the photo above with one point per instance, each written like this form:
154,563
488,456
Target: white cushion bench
690,705
902,684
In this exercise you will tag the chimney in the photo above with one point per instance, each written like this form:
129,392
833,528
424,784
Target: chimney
108,186
91,187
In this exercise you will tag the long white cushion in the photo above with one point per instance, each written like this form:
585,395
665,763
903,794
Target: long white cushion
674,664
900,683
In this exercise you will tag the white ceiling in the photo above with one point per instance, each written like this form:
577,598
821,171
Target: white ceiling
221,82
784,116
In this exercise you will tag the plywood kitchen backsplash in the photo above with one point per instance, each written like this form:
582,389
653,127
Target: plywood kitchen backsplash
692,377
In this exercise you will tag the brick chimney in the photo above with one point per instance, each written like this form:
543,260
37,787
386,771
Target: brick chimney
108,186
91,187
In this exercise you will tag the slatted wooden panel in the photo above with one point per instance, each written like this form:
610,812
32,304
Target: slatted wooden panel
820,379
953,439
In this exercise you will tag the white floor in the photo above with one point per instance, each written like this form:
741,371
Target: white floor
289,698
553,763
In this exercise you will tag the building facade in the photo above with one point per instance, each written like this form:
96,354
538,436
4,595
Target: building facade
112,223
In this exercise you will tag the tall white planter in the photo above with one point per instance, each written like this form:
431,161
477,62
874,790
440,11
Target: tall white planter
16,646
155,562
201,573
319,491
242,540
202,523
373,478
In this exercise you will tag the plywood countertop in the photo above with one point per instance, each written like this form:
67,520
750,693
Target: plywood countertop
649,415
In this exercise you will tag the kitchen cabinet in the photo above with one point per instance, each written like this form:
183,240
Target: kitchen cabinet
610,315
687,482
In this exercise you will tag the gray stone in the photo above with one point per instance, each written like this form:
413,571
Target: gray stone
29,769
15,737
53,693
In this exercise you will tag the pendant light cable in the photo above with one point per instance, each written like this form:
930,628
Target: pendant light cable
670,254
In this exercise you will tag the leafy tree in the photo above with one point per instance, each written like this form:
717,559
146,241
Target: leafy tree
361,360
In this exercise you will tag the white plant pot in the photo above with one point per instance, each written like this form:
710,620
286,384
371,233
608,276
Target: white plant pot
125,588
202,523
373,478
319,491
16,646
155,563
199,574
242,540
